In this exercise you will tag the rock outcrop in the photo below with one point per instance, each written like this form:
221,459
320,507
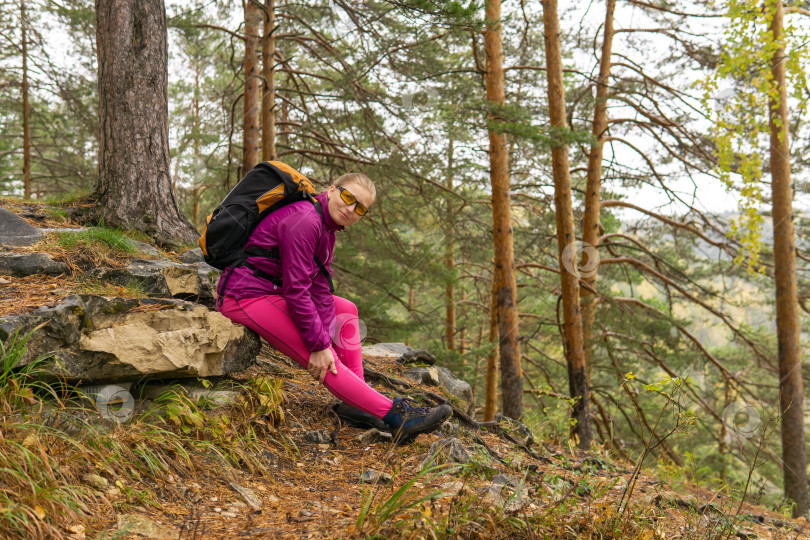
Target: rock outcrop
166,279
98,339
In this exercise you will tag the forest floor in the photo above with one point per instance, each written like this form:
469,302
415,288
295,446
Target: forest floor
176,469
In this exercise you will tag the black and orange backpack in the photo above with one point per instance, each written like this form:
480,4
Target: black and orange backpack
269,186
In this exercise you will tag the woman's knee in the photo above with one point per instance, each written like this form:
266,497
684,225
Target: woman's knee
345,306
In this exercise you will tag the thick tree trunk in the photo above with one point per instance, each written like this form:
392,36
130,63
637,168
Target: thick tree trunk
491,395
25,105
250,135
590,227
575,355
134,188
449,261
794,455
511,376
269,76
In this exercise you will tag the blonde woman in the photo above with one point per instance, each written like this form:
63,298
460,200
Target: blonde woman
288,301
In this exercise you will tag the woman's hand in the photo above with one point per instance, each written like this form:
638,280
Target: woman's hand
320,362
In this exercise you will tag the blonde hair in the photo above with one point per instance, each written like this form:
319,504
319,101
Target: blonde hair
360,179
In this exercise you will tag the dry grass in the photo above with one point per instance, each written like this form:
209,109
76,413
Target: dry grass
20,295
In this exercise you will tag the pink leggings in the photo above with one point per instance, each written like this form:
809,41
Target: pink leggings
268,316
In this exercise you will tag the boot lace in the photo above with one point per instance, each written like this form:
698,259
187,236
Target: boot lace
410,410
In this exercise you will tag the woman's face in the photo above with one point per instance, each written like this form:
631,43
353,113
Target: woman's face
342,213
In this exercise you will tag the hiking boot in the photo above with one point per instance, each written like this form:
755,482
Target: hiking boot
356,418
406,421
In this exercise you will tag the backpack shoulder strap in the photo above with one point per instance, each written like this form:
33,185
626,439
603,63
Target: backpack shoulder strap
320,264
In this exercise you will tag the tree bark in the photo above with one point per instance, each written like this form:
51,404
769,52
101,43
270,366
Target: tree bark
590,226
491,395
25,106
269,76
575,355
449,260
251,107
134,187
511,376
794,455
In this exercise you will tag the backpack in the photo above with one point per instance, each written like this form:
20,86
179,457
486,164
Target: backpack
269,186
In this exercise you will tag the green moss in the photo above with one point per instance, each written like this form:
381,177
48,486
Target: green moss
94,239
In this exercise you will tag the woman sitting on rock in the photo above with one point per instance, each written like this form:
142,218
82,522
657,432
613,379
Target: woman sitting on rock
299,315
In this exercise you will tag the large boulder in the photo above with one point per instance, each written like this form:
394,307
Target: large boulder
15,231
97,339
166,279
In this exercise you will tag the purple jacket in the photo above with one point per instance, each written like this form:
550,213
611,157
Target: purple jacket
299,232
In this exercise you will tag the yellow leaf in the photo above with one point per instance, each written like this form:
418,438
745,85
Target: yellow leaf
39,511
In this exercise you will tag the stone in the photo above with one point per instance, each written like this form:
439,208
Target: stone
416,356
228,515
254,502
454,385
451,489
386,350
133,523
446,451
164,279
145,248
322,507
15,231
33,215
194,390
373,436
370,476
506,479
517,429
29,264
320,436
192,256
511,495
449,430
423,375
98,339
76,532
95,481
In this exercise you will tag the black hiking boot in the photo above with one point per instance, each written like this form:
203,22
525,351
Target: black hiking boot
405,421
356,418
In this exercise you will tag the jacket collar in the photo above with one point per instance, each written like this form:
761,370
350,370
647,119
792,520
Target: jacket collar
327,219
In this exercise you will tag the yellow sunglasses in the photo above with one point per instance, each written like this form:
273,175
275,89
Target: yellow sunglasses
350,199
